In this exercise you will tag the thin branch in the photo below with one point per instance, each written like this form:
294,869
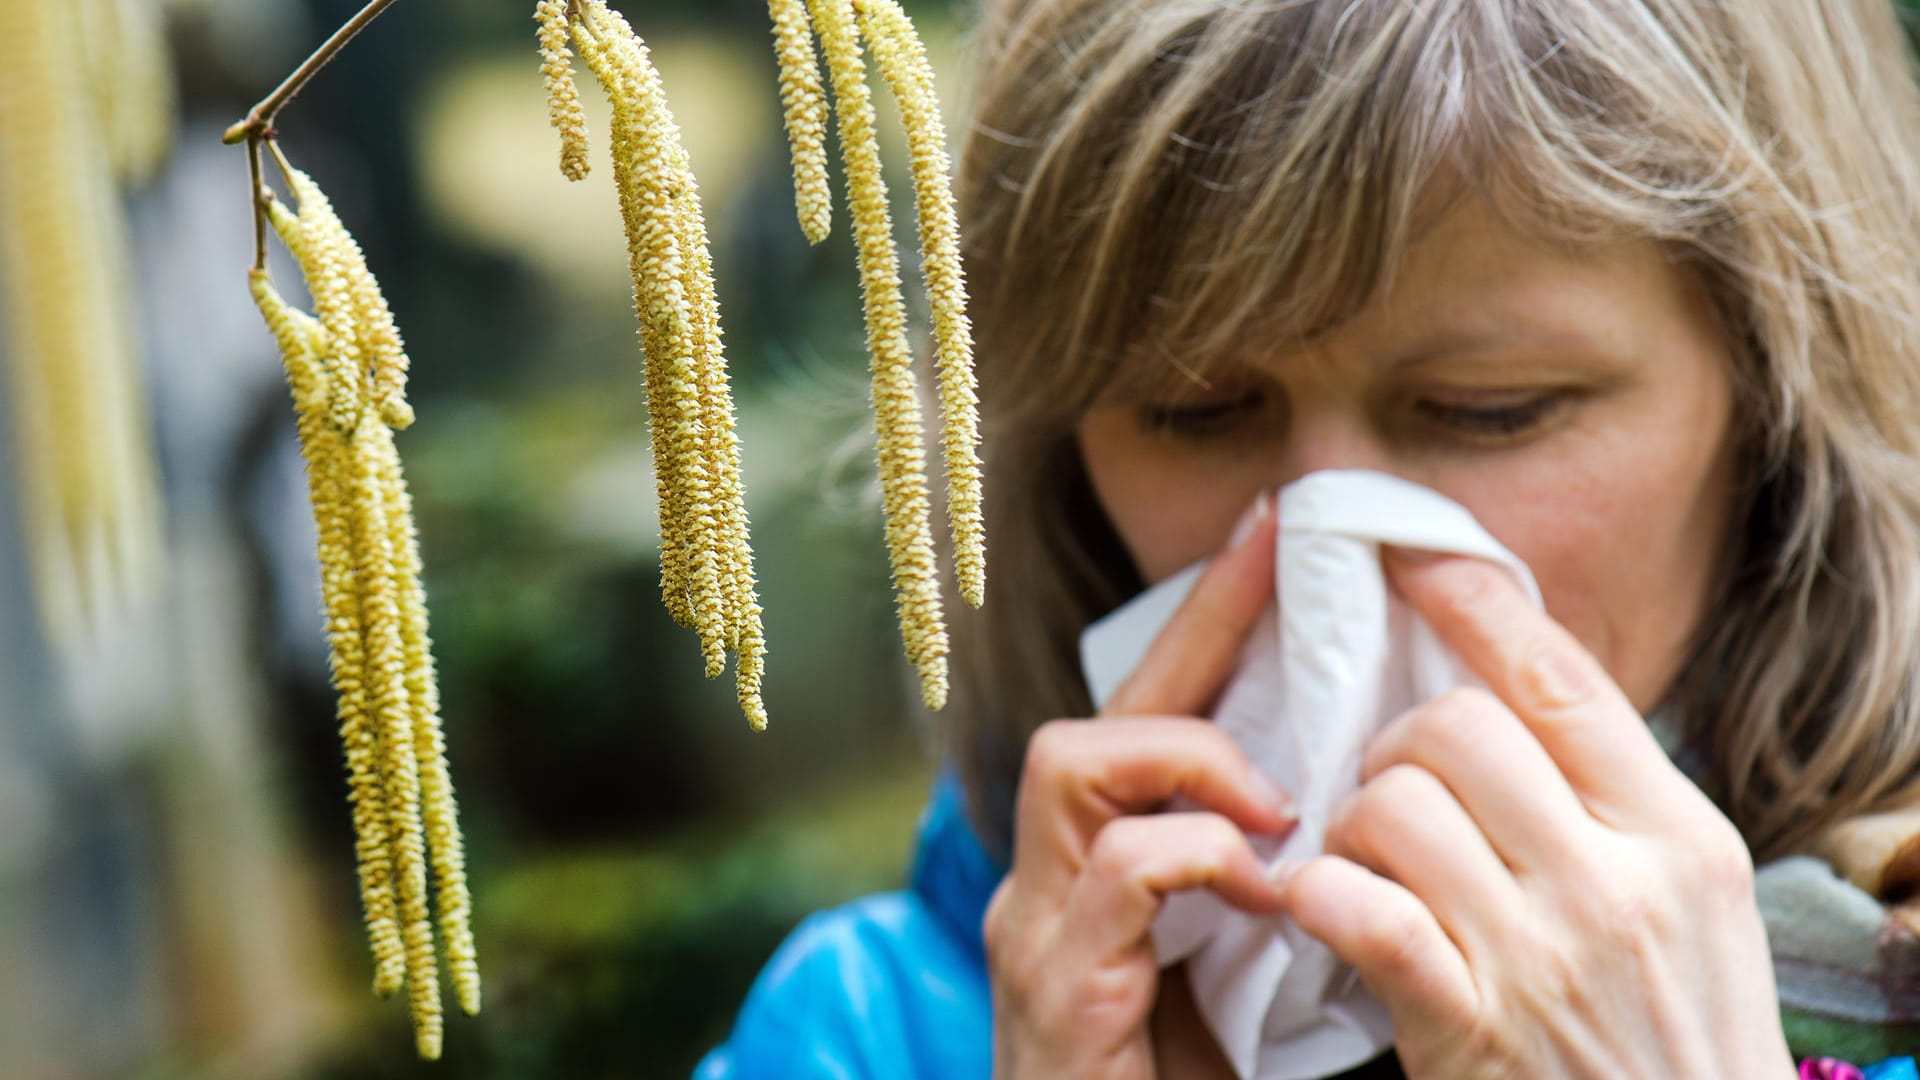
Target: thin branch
280,161
259,211
260,118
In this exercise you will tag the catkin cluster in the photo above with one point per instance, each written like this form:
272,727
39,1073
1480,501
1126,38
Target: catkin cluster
706,562
841,26
346,367
673,291
85,102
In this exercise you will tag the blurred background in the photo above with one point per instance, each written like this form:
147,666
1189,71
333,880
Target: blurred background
177,894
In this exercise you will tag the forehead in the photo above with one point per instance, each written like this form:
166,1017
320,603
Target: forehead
1472,284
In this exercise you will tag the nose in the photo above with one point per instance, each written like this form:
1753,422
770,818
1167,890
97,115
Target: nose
1325,435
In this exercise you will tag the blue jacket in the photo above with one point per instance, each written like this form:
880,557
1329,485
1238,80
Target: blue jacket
895,985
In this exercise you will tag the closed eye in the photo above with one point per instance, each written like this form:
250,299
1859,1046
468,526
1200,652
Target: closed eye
1494,422
1200,420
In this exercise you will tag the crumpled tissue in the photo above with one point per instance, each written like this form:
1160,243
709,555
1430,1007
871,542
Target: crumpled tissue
1323,670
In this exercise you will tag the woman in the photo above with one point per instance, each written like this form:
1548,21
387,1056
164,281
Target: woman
1636,282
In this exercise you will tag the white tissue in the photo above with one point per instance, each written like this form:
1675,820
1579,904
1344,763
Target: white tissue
1322,672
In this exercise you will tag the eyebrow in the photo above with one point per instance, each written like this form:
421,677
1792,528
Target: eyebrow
1174,373
1467,341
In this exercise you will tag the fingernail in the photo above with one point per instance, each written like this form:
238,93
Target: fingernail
1249,520
1275,796
1283,871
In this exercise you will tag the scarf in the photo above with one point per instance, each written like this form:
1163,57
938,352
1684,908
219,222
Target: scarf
1843,923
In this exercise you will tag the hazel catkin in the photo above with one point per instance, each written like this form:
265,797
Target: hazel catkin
706,561
345,368
804,107
896,407
88,502
563,97
903,63
707,576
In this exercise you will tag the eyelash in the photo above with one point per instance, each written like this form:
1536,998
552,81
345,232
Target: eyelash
1197,423
1494,422
1497,423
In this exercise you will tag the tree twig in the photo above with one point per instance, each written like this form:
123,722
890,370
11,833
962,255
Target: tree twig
259,212
260,118
258,124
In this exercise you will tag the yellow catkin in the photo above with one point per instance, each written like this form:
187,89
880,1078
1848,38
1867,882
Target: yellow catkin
673,553
130,82
135,126
144,130
752,665
369,441
404,810
663,193
745,633
706,560
716,401
302,344
805,107
645,139
129,86
88,502
438,809
377,337
380,342
321,254
563,98
386,664
903,63
897,424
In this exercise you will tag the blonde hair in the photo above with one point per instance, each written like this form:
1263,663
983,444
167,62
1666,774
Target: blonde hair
1147,185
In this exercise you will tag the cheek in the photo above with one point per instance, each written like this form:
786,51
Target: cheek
1623,544
1169,509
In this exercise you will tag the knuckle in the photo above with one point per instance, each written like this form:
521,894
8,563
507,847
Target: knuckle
1629,908
1459,709
1214,847
1471,587
1050,752
1447,728
1457,723
1556,972
1145,853
1119,845
1345,822
1397,942
1390,792
1556,676
1366,821
1011,955
1722,862
1216,743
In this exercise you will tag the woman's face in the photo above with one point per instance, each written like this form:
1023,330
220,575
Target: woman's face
1579,406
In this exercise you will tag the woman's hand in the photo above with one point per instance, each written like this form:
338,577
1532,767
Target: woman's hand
1068,952
1528,883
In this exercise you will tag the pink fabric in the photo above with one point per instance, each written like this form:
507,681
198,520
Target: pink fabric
1828,1069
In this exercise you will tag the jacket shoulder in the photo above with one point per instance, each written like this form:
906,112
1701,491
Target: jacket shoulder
875,988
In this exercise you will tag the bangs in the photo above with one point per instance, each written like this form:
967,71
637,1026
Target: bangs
1155,194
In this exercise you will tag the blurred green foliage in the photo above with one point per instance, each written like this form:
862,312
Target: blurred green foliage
601,960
